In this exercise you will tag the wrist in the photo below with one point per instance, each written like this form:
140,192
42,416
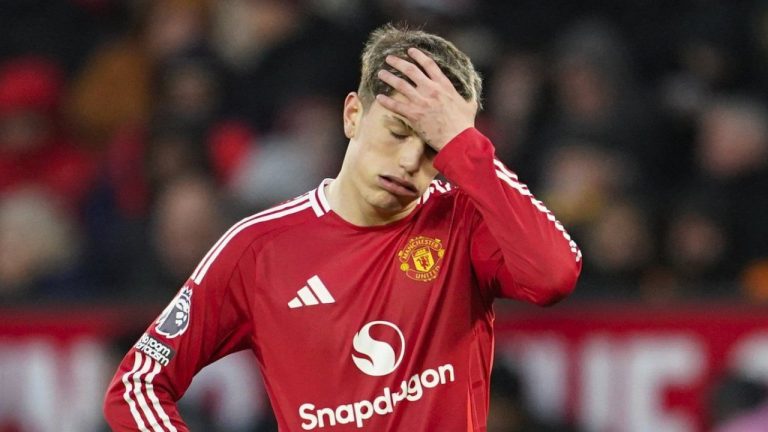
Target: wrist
443,141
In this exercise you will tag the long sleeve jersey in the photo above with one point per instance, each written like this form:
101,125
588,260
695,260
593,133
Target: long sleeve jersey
382,328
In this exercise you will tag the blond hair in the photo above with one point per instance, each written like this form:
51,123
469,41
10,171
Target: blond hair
395,40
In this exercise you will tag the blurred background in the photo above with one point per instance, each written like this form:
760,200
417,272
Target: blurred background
134,132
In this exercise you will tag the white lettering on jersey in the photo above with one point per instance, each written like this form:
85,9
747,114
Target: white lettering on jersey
358,412
155,349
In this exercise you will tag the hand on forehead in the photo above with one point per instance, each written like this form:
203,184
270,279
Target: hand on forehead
431,104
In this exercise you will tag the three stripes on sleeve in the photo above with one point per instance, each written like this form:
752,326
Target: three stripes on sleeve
138,388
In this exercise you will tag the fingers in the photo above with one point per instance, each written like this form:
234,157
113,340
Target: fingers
429,65
399,84
394,105
408,69
434,75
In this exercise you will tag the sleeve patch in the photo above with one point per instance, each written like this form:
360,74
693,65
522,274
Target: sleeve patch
175,318
155,349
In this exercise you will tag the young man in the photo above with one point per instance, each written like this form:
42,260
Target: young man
367,301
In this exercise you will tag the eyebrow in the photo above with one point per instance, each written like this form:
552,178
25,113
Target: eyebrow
400,121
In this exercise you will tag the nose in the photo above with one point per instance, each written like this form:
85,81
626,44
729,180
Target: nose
411,154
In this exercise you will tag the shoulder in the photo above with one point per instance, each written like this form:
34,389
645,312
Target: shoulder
256,229
439,190
285,214
444,201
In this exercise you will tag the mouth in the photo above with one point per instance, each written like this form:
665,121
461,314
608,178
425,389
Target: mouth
398,186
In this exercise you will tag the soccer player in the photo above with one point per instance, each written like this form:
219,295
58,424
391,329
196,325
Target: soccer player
368,300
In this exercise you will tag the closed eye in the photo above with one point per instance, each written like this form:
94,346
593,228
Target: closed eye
398,136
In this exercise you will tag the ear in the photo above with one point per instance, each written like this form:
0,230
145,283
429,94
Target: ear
353,111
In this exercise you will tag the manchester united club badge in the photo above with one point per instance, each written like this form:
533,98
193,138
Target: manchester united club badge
421,258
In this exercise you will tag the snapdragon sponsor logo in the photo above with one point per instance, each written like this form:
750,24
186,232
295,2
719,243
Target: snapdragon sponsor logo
155,349
377,357
385,403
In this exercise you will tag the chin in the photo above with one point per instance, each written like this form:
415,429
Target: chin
389,203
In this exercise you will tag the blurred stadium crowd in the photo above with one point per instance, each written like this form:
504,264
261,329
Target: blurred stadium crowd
132,133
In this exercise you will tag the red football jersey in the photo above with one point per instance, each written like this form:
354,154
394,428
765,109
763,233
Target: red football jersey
383,328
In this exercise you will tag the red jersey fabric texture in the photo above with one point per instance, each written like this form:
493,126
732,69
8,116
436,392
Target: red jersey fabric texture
383,328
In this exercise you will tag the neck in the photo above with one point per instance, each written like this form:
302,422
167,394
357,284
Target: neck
348,201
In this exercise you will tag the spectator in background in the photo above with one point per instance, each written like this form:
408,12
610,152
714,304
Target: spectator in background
173,150
726,229
45,178
709,49
185,136
187,218
623,246
515,99
581,178
39,249
597,99
34,147
303,148
697,247
185,132
114,88
278,52
710,46
590,186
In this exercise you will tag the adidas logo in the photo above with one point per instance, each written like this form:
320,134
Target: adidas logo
311,294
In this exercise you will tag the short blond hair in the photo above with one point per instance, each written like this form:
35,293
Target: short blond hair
395,40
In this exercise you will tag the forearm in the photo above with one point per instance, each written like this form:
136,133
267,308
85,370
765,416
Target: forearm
138,399
542,260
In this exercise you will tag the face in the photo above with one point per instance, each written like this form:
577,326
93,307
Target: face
387,163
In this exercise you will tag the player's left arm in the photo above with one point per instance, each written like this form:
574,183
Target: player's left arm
518,247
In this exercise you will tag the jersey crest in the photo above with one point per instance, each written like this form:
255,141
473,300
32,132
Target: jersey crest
421,258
